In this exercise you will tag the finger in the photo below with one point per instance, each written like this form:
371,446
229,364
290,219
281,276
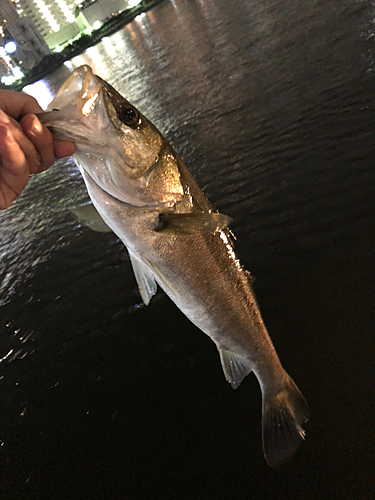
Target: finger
14,172
13,160
64,148
31,154
16,104
25,144
41,138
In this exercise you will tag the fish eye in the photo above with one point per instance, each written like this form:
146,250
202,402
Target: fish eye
128,115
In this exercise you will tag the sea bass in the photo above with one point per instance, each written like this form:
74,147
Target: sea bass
175,238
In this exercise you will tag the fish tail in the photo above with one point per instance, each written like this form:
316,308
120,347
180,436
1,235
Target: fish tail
284,413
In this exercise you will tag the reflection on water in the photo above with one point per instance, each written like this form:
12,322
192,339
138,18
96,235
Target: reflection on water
41,91
271,106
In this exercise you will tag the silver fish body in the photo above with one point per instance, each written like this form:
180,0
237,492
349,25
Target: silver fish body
175,239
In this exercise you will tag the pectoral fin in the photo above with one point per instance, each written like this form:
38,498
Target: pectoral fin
209,222
145,279
235,367
90,217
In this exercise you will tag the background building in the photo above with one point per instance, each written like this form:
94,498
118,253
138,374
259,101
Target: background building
58,21
48,15
29,45
30,29
100,10
54,19
19,39
8,11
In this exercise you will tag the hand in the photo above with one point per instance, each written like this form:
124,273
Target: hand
26,146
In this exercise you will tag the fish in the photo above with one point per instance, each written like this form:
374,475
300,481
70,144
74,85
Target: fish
176,240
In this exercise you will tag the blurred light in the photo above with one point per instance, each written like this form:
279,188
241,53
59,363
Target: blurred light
92,52
6,57
17,72
69,65
96,25
10,47
58,48
8,79
134,3
40,91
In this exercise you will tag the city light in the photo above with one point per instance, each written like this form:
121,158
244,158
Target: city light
17,72
10,47
6,57
69,65
134,3
8,79
52,16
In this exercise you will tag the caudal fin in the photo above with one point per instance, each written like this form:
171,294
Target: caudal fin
282,419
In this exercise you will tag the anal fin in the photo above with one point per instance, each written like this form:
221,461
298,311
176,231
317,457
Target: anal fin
145,279
235,367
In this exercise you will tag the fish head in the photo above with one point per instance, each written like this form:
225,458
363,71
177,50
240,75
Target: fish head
116,145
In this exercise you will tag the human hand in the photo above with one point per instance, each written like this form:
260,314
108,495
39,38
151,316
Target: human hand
26,147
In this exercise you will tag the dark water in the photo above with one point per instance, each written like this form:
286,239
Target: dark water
271,105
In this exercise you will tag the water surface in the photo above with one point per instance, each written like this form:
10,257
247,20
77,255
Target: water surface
271,105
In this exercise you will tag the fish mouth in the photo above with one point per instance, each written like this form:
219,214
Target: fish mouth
69,116
82,88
